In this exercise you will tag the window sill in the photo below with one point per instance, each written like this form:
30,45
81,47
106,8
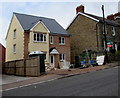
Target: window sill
39,42
61,44
62,60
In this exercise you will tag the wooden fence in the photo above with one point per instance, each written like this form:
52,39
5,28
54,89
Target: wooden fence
23,67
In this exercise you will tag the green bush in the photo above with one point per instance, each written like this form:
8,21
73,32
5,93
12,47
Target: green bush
118,52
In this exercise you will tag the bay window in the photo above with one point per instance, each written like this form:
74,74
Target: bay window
38,37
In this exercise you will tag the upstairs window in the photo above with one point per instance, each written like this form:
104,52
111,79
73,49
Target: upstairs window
62,57
39,37
51,39
61,40
113,31
14,35
14,48
105,29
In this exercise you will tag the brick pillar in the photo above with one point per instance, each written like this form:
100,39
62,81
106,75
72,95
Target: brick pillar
26,41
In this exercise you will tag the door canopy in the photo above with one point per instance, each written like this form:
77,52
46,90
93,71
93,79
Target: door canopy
54,51
36,52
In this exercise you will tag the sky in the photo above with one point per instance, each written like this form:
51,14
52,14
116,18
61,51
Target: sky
62,11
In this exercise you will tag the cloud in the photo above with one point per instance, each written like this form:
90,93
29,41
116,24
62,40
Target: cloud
59,0
63,12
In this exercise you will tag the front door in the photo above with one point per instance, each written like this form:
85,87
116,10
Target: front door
52,61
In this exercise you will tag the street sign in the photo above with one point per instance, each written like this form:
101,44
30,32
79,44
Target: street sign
109,43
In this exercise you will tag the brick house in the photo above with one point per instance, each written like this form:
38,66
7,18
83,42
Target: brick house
87,33
116,17
2,54
32,34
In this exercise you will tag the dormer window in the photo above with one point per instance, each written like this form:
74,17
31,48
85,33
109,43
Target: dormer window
113,31
14,33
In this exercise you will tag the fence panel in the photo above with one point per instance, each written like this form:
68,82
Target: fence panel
9,68
20,67
23,67
32,67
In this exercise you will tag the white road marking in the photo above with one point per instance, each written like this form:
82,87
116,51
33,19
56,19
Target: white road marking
10,89
29,84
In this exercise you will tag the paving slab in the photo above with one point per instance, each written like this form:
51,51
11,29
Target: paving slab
6,79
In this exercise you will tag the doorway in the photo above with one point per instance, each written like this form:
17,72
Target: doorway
52,60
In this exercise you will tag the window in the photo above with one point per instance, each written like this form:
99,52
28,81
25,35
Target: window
105,29
39,37
51,39
61,40
14,48
113,31
44,37
62,57
14,33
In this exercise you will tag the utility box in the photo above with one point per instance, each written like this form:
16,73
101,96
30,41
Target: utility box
42,57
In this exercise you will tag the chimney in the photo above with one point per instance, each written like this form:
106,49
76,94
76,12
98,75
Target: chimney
80,9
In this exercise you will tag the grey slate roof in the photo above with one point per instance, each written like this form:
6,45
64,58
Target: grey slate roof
28,21
110,22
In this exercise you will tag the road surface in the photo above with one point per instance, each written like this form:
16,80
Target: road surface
97,83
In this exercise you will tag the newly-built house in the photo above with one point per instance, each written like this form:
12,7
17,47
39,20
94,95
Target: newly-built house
33,34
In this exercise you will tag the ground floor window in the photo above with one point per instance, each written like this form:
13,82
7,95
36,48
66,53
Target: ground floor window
62,57
61,40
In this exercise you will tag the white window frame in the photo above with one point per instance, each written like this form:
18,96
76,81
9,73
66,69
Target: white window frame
39,37
62,58
61,40
14,48
113,31
51,39
105,29
14,34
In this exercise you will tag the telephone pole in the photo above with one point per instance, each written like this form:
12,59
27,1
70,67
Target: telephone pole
104,33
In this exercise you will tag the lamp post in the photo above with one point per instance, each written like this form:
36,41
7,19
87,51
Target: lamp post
104,33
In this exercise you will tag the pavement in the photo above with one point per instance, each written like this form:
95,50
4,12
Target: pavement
11,82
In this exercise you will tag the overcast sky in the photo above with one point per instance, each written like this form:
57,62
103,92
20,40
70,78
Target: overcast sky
62,12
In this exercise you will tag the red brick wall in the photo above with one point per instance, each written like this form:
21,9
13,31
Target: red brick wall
62,49
2,53
113,16
26,40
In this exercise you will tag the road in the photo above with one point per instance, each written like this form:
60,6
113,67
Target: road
97,83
